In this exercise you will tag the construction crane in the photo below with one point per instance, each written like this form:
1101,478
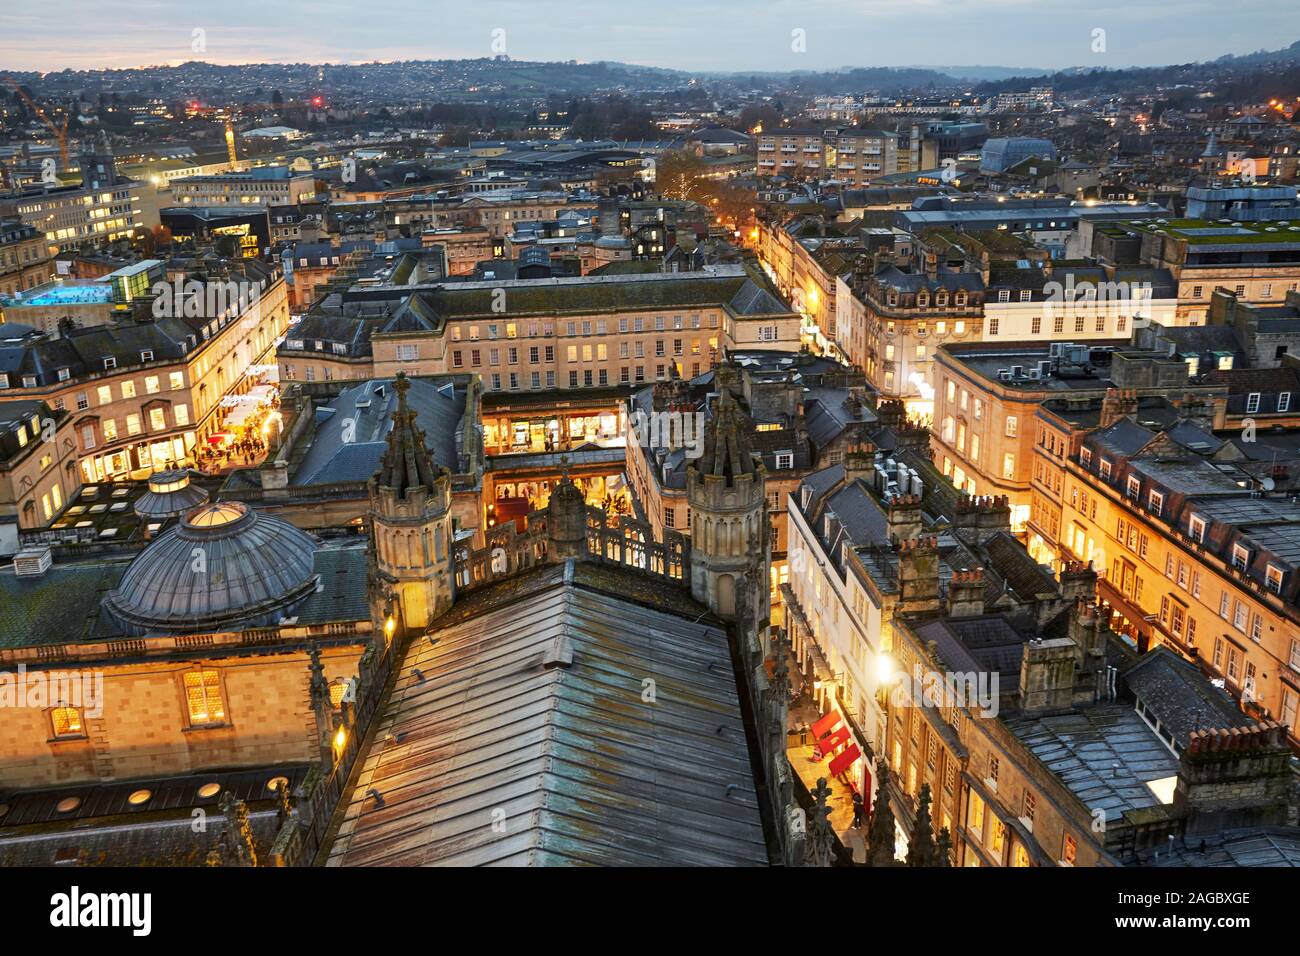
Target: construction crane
228,120
60,132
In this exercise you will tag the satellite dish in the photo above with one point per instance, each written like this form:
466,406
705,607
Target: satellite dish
1267,484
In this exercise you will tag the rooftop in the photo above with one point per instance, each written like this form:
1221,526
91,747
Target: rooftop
533,707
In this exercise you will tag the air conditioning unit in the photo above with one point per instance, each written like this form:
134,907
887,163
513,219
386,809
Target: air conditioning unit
1044,369
1004,374
1017,371
1034,374
32,562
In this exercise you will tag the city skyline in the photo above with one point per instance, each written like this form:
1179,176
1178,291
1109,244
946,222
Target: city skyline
1048,36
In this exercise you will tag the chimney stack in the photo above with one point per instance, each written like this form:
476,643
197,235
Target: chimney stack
1047,676
1234,777
904,518
918,576
978,519
1078,581
860,462
1089,637
1118,403
966,593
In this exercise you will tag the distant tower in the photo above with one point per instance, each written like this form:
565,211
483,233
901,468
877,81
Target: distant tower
410,512
1212,158
729,526
98,167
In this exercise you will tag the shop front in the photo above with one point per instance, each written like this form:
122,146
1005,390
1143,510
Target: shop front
131,460
513,500
517,434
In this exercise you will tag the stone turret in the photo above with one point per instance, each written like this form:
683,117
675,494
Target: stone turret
725,488
410,513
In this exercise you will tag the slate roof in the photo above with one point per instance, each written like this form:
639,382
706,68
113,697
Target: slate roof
1179,696
987,643
582,770
1271,847
342,590
1125,437
1024,576
1105,754
827,416
60,607
351,431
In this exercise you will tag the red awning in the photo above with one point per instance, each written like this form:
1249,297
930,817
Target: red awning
824,725
841,763
829,743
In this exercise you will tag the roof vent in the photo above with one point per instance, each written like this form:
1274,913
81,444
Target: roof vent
32,562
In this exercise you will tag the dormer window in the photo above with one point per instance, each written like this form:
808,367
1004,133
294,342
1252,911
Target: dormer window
110,363
1196,528
1105,469
960,298
1156,501
64,374
146,355
1240,557
1085,457
1273,578
922,300
1134,487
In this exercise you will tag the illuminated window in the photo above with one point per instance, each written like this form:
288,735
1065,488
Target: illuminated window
203,697
66,721
1020,857
338,689
998,837
975,814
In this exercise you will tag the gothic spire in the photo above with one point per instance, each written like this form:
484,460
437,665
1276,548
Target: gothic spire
406,463
727,450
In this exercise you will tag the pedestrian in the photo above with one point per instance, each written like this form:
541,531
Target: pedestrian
859,810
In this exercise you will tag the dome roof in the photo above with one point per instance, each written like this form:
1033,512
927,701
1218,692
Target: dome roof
170,494
225,566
